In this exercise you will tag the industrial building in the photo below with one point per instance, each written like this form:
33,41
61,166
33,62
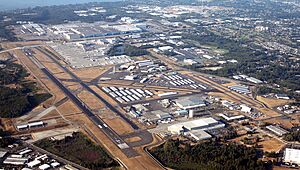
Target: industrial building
15,161
245,108
292,156
199,135
254,80
192,102
231,118
31,125
277,130
240,89
199,124
250,79
125,95
162,115
79,30
282,96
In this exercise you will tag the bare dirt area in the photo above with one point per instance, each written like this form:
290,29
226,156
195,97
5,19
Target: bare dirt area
88,74
54,68
222,96
52,133
54,90
270,144
229,84
281,168
268,112
119,125
63,75
4,56
133,139
68,108
90,100
7,124
75,87
41,57
285,123
273,102
51,115
69,82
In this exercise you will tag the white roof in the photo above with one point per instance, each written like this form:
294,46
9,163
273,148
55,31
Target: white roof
125,28
36,123
55,164
34,163
44,166
199,134
22,126
292,155
232,117
2,154
196,123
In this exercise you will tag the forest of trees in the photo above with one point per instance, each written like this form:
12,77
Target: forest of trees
79,149
292,136
17,94
208,156
5,139
252,61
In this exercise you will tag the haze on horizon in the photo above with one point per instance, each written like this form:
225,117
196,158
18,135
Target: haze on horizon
18,4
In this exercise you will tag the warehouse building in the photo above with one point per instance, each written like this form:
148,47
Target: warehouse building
277,130
292,155
162,115
240,89
190,102
15,161
254,80
231,118
199,124
282,96
199,135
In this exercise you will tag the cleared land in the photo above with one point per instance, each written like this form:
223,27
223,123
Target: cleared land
90,100
271,144
268,112
133,139
88,74
285,123
273,102
222,96
119,125
68,108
